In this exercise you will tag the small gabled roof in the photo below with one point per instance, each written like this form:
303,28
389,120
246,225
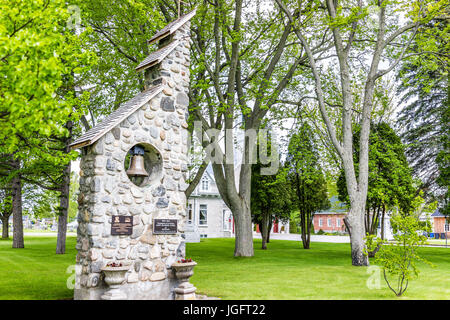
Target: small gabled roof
116,117
156,57
437,214
172,27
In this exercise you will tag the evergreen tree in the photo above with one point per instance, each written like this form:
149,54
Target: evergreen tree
390,180
424,118
306,178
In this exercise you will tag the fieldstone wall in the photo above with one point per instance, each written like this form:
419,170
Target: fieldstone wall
106,190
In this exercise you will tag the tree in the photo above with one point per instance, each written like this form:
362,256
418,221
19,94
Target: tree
306,178
424,117
270,200
399,258
39,55
5,211
242,62
390,181
369,30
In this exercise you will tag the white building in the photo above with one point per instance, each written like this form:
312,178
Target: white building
207,211
209,215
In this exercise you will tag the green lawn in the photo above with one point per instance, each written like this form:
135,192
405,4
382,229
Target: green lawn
284,271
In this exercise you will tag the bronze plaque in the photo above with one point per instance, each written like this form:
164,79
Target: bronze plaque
121,225
165,226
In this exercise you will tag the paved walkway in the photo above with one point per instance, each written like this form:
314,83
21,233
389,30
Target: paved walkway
314,238
324,238
47,234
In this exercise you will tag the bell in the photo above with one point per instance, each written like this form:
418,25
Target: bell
137,168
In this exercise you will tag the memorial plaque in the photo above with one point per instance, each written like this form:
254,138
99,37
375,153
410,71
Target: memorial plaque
165,226
121,225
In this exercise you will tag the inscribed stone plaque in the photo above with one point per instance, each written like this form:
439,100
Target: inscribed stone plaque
165,226
121,225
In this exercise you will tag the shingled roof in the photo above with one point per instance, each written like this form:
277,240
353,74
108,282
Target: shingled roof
116,117
172,27
156,57
437,214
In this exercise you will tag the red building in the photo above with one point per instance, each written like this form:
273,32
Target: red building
331,220
440,223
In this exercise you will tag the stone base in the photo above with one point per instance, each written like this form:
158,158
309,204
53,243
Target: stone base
142,290
114,294
186,291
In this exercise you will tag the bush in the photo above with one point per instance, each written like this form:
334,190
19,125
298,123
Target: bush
398,259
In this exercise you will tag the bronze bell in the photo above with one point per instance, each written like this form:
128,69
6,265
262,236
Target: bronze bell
137,168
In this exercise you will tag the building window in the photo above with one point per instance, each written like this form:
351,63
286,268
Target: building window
203,218
338,222
203,236
190,211
226,220
320,222
205,184
447,227
329,222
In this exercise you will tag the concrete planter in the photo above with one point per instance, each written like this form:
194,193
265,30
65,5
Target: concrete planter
114,277
183,271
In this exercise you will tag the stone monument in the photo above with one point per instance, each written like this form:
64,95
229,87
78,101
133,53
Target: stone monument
138,220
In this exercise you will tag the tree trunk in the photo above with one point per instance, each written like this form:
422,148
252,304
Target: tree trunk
355,222
306,222
18,241
243,232
63,213
5,229
269,227
264,230
64,199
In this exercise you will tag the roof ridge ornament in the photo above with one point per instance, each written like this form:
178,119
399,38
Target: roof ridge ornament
172,27
157,56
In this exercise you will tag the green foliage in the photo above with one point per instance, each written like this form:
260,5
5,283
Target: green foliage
117,31
271,198
38,53
390,181
424,118
270,195
307,180
399,259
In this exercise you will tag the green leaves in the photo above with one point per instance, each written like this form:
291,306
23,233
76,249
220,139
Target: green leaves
37,55
390,182
399,258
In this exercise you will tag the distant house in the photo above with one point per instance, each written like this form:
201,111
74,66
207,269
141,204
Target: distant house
332,219
440,223
207,211
209,216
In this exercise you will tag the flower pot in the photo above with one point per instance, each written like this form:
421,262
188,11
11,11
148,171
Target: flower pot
183,271
114,277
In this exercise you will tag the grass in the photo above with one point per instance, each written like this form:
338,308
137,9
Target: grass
35,272
284,271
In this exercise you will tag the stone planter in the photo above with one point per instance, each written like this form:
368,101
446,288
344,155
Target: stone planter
183,271
114,277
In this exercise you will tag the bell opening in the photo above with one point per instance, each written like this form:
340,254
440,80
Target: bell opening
144,165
